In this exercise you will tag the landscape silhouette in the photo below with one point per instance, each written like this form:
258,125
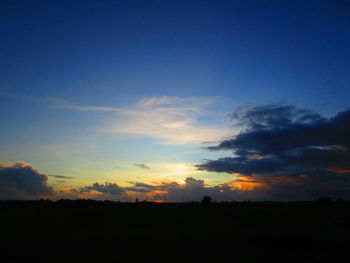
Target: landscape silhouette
231,231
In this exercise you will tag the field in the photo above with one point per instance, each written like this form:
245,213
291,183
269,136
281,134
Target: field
229,232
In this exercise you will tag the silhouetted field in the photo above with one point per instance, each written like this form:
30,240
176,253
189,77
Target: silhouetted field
223,232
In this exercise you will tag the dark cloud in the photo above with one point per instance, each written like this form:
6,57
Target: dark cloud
106,188
275,129
298,146
21,181
142,166
194,190
141,187
242,165
62,176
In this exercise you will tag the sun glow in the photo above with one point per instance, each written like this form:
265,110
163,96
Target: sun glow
181,169
177,171
181,181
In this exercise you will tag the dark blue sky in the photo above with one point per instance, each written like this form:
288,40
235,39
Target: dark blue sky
60,59
108,52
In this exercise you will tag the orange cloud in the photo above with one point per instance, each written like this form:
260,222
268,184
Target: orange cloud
246,183
337,170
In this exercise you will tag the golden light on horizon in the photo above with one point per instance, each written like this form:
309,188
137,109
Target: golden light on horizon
181,181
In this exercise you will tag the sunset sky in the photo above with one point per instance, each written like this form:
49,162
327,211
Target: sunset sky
174,99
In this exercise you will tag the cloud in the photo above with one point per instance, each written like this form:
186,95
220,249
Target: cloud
21,181
142,166
61,176
141,187
191,190
290,153
106,188
171,120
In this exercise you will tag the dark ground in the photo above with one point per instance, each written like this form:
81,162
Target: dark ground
221,232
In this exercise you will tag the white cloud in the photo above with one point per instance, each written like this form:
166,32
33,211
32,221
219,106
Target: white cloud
172,120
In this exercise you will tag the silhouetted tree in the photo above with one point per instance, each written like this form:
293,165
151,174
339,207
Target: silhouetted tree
206,200
325,200
339,200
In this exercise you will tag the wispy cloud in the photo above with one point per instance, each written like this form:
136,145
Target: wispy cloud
61,176
172,120
142,166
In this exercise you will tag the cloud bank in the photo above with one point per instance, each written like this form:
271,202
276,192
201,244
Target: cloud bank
286,153
191,190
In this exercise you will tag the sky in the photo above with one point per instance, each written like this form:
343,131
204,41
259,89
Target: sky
172,100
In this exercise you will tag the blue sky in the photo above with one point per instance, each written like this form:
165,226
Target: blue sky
88,88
